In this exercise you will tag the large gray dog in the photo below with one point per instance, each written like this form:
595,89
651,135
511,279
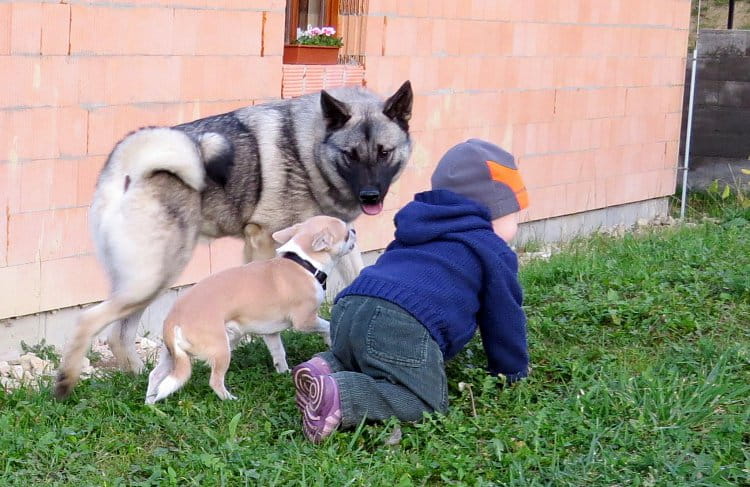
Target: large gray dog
247,174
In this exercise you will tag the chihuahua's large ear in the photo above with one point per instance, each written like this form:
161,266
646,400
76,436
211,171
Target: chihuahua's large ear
335,112
322,241
283,236
398,106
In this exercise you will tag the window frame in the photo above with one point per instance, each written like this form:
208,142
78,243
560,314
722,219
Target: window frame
331,17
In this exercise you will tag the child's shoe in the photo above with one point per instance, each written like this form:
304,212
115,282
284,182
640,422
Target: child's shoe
304,373
320,407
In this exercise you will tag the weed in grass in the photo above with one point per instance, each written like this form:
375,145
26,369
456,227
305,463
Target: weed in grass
42,350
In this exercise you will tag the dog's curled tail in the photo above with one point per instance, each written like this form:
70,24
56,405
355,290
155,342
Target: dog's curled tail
153,149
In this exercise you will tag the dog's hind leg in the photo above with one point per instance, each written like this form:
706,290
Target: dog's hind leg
278,354
91,322
219,366
121,341
179,374
161,371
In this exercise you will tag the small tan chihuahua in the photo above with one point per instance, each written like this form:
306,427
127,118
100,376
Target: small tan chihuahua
262,297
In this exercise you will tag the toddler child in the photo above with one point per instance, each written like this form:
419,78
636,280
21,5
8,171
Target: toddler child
448,271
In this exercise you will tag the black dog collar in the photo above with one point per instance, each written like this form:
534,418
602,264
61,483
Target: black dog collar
317,273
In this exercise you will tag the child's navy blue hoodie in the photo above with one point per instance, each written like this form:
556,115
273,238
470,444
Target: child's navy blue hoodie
449,270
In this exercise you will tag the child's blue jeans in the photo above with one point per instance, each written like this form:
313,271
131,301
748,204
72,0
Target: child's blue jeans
385,362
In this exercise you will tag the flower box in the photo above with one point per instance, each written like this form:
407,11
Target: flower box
300,54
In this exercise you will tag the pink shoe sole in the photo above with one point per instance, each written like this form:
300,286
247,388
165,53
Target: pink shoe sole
303,375
320,408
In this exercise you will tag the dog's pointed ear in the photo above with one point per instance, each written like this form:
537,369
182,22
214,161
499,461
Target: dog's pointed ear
322,241
335,112
398,106
283,236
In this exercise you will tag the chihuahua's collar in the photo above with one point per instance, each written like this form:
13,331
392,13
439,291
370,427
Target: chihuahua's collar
317,273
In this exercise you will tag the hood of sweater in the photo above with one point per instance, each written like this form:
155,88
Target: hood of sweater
433,214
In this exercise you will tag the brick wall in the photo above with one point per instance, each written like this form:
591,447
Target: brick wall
586,93
77,77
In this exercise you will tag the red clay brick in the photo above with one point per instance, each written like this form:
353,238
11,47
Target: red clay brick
22,282
64,190
109,30
3,235
535,73
65,234
375,31
671,154
88,172
218,32
37,81
55,28
647,100
24,237
545,202
682,12
666,182
10,186
672,126
580,196
401,36
73,130
36,183
273,34
677,43
423,46
531,106
139,79
18,73
91,79
652,42
453,30
58,276
5,28
26,28
26,141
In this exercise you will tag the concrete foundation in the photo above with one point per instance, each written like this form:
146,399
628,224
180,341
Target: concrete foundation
56,327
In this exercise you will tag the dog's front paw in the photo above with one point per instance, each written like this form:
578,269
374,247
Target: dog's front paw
282,369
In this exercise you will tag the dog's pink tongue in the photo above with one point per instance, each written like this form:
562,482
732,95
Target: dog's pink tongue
372,209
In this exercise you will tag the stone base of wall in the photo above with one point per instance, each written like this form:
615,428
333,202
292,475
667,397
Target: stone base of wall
55,327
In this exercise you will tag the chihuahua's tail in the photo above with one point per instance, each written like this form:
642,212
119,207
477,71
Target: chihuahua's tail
173,369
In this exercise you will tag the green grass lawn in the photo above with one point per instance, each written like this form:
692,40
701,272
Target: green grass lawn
640,349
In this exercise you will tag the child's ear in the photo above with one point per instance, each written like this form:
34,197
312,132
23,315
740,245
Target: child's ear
283,236
322,241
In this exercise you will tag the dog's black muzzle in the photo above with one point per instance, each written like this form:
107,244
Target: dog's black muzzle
369,196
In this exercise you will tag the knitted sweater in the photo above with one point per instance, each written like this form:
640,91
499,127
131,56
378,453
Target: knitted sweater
449,270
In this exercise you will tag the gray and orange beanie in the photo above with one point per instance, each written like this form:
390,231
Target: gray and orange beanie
485,173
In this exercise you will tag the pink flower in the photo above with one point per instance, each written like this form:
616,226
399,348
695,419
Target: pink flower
316,31
329,31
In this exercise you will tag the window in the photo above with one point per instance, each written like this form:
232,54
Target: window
317,13
348,17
